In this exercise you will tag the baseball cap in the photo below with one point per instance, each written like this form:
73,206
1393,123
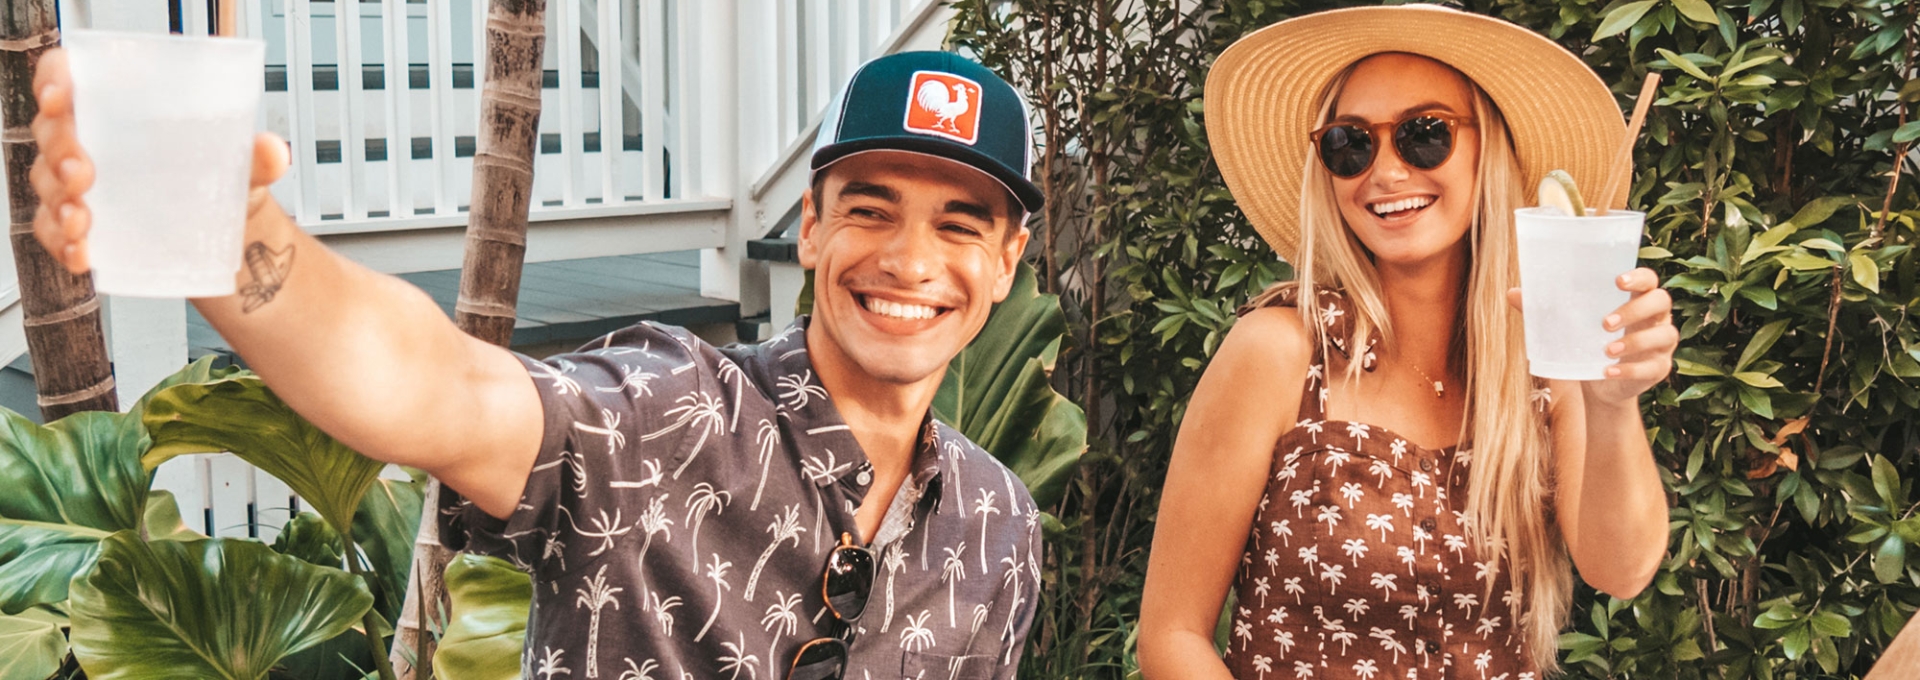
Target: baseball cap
935,103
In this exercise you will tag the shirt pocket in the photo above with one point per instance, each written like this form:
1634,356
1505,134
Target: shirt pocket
927,666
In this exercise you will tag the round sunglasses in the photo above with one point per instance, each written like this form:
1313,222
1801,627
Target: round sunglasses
845,585
1424,141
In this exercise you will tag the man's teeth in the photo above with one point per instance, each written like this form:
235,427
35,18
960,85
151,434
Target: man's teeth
1402,204
900,310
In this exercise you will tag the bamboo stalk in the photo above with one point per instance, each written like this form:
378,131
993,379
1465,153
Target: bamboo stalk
496,248
62,313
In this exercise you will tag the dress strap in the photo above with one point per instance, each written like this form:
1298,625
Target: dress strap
1334,315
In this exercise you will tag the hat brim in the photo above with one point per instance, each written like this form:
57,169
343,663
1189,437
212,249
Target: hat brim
1023,190
1262,91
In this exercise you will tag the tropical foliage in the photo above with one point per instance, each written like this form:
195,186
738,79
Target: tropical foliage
102,577
1777,215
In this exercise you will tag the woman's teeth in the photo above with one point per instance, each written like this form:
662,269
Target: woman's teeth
1401,205
899,310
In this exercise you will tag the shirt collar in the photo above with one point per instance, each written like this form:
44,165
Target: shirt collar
826,445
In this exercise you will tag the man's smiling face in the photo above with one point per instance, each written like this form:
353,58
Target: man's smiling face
909,254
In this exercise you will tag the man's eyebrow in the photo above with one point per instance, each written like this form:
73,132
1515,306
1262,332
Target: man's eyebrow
970,209
878,191
1422,106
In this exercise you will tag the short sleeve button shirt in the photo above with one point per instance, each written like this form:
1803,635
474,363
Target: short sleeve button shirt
685,499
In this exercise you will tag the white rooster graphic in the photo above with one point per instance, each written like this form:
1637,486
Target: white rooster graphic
933,97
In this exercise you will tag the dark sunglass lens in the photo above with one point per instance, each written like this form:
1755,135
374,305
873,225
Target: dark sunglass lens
1424,142
1346,150
822,659
849,580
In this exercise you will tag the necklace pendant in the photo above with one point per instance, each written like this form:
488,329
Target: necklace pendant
1439,390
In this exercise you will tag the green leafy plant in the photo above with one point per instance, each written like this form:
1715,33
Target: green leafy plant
165,609
152,598
84,488
997,393
31,646
488,626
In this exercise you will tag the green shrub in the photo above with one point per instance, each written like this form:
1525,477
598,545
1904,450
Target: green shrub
1776,215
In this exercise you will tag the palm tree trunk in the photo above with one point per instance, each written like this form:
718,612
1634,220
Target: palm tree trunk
496,249
70,367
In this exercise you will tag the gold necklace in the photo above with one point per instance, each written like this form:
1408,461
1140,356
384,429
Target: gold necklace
1439,389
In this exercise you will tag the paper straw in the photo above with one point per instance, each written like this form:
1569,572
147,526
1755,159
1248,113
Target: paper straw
228,24
1621,173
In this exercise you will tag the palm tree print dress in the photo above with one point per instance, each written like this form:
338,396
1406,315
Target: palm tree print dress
1359,565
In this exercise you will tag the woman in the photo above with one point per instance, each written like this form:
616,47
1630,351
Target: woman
1371,469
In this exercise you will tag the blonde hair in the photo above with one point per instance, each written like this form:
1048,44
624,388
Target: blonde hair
1510,487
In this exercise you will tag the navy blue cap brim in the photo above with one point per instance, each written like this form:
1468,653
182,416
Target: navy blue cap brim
1023,189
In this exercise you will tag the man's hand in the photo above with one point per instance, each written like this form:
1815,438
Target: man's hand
63,172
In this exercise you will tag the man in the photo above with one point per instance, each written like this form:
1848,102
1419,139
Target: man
684,509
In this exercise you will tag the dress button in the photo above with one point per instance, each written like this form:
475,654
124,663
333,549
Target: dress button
865,478
1427,524
1426,465
1433,648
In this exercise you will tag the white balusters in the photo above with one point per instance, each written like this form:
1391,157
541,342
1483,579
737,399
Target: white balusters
399,109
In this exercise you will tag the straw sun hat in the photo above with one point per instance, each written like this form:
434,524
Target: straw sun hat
1260,99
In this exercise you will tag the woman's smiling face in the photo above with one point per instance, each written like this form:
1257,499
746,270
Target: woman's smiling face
1403,214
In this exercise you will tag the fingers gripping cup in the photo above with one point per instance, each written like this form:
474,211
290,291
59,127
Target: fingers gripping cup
168,123
1568,267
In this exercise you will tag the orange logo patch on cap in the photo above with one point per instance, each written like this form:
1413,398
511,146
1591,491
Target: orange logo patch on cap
944,105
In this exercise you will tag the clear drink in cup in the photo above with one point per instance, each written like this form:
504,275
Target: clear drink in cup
1568,272
168,122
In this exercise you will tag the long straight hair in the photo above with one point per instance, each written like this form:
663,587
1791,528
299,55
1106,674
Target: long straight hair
1510,486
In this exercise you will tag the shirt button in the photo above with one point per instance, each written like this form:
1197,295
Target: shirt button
865,478
1433,648
1427,524
1426,465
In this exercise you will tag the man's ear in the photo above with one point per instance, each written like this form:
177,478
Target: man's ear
808,221
1010,253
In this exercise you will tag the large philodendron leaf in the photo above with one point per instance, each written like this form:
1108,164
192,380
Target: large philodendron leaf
240,415
164,521
385,527
31,646
198,371
218,608
996,391
309,538
68,484
489,620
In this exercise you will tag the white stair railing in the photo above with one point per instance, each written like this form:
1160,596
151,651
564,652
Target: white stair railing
373,153
814,48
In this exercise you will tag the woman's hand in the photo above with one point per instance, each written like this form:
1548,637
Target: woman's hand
1645,353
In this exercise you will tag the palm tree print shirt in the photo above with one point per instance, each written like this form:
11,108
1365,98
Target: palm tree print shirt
1359,563
680,513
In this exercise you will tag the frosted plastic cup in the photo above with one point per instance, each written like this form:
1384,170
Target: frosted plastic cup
168,122
1568,269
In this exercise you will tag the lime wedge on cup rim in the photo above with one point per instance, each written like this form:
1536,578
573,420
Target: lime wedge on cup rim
1558,191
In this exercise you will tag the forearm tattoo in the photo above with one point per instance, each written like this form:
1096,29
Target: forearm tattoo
269,269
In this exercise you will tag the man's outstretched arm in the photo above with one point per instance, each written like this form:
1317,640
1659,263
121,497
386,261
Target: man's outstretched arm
367,357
